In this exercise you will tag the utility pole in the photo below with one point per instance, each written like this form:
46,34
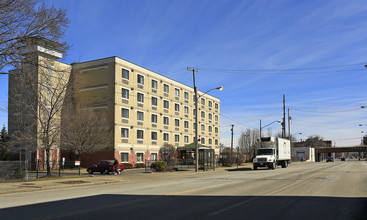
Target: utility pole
289,125
260,129
196,121
232,140
283,123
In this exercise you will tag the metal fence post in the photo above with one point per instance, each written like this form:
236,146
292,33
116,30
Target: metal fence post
37,167
26,170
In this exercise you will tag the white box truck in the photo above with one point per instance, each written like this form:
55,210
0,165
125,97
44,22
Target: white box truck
273,151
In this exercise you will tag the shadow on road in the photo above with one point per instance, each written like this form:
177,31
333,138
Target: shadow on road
240,169
193,207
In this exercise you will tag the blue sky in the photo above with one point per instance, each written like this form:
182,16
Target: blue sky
314,52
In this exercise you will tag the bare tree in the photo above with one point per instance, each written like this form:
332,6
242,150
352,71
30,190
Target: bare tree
36,103
248,142
83,130
169,155
22,21
315,141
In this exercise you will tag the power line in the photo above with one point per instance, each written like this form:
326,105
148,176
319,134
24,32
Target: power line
286,70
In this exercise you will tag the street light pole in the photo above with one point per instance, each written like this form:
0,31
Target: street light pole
196,121
196,116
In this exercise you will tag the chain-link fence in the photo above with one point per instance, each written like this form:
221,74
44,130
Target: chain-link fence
13,170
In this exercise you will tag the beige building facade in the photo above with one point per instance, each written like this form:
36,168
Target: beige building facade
145,110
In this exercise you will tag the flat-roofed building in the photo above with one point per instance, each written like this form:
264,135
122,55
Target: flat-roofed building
146,110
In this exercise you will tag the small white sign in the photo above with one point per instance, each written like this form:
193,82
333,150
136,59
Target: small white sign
77,163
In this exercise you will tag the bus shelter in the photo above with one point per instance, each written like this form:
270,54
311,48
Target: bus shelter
206,156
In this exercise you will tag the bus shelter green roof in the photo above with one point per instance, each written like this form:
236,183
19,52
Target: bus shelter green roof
192,147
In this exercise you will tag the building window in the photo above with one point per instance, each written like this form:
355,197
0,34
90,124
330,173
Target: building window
202,141
186,139
210,141
154,136
216,118
124,132
154,84
186,109
139,157
124,157
154,157
202,127
154,118
216,106
177,138
165,120
140,116
124,113
166,88
177,123
210,116
186,123
165,136
216,130
166,104
186,94
202,101
177,92
125,74
154,101
140,97
216,142
140,79
125,93
210,104
202,114
210,128
139,134
177,107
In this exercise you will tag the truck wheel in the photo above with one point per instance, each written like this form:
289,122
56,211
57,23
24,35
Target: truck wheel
105,171
90,171
255,167
285,164
274,165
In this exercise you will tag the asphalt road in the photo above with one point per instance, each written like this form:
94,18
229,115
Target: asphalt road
301,191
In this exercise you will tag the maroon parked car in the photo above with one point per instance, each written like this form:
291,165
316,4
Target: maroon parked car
104,167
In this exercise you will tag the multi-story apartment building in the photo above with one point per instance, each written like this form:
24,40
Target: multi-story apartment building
145,110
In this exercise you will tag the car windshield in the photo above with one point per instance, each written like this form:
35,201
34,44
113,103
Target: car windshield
265,152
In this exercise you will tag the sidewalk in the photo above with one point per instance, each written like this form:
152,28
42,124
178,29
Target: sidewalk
56,182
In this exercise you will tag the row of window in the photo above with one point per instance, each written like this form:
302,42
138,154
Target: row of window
154,136
125,75
177,109
154,119
139,157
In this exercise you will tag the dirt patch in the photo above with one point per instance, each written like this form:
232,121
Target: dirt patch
74,182
30,185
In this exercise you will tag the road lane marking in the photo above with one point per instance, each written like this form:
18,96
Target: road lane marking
233,206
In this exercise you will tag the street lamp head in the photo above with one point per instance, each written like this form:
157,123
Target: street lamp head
360,125
365,66
220,88
363,106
